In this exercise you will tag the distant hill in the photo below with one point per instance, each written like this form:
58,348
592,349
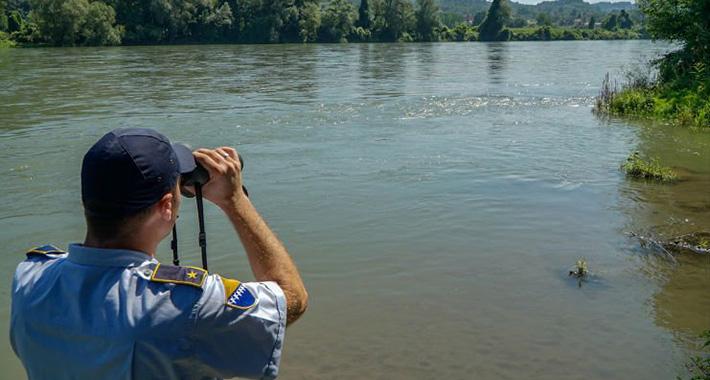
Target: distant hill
560,9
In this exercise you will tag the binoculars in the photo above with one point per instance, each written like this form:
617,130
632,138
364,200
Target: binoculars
196,178
200,176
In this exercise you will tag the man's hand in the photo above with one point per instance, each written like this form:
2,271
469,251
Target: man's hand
268,258
225,185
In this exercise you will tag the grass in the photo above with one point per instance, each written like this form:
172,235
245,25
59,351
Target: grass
684,101
699,366
637,167
5,41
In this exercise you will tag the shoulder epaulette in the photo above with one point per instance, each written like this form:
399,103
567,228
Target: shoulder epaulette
45,250
179,275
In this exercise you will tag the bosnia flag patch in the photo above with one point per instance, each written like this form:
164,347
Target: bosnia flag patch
238,296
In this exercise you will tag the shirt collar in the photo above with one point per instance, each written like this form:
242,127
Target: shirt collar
107,257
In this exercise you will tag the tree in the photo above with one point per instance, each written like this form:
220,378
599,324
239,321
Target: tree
611,22
478,18
337,21
498,16
518,22
76,22
427,20
100,26
625,21
309,22
592,23
60,21
364,19
543,19
398,20
683,21
3,16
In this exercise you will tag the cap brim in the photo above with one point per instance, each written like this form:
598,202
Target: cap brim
186,161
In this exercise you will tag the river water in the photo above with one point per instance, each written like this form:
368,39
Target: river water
433,195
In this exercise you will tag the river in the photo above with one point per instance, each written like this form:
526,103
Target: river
433,195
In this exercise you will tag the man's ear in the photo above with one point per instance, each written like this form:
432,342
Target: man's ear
165,207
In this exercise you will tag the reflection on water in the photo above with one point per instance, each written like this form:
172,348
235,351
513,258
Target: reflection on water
434,196
497,60
682,303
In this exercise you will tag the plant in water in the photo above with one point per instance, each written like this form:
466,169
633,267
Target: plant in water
579,271
636,167
699,366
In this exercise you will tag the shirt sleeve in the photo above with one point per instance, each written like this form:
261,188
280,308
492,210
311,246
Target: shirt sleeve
239,328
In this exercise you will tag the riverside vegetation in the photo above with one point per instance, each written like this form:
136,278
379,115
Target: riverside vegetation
680,92
113,22
637,167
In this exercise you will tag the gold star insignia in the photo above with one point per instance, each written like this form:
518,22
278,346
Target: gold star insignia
192,275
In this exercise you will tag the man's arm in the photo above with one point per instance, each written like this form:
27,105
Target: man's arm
268,257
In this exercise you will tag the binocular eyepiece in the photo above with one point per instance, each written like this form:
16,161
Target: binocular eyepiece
199,176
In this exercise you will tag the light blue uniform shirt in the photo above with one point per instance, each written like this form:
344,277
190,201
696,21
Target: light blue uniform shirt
96,314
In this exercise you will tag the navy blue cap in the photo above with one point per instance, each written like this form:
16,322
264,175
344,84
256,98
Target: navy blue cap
129,170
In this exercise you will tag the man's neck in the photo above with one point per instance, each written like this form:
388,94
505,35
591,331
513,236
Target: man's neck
127,244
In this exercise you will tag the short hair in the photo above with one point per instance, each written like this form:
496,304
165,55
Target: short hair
103,224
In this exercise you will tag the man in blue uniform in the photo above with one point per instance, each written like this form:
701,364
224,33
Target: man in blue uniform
107,309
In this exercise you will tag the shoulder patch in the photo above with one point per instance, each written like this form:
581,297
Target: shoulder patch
45,250
179,275
237,295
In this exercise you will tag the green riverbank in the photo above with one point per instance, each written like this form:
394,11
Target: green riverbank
680,91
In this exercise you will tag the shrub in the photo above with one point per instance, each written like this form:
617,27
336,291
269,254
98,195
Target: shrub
637,167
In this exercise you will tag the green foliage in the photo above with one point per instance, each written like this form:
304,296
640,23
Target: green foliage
450,19
75,22
687,106
398,20
337,22
553,33
543,19
427,21
99,26
592,23
625,21
479,17
364,18
611,22
699,365
5,41
496,19
361,34
681,93
108,22
685,21
309,22
637,167
518,22
3,16
461,32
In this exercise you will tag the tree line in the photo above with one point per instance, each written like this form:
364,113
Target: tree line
112,22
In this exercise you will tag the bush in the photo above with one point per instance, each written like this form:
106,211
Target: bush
637,167
699,366
76,22
636,102
3,22
5,40
15,22
462,32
